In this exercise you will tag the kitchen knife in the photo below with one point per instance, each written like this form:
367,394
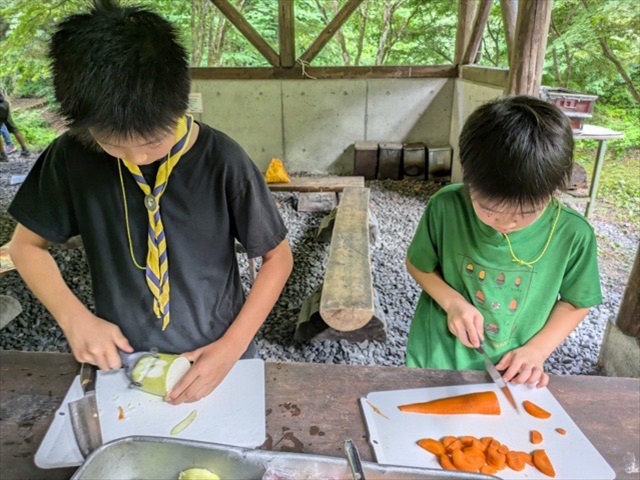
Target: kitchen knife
496,377
85,417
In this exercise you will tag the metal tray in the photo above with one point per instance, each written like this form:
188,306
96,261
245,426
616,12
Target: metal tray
143,457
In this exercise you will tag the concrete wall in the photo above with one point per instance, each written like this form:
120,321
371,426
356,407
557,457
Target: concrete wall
477,85
312,125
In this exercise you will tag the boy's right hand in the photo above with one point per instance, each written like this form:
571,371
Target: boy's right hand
466,322
96,341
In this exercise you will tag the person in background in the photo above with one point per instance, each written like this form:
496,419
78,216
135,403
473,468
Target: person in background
500,260
159,200
9,146
7,121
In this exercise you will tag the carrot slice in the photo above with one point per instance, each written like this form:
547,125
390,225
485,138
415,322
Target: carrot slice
461,462
488,470
483,403
496,458
455,445
445,462
448,440
561,431
536,437
542,463
534,410
517,460
432,445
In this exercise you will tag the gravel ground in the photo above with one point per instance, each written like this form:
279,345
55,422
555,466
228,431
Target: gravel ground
397,206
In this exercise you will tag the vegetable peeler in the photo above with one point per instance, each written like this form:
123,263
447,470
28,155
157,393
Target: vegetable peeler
130,360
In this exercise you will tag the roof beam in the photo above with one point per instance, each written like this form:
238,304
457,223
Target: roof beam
286,33
250,33
330,30
509,9
466,13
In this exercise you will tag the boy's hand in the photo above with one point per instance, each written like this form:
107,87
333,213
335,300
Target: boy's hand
466,322
94,340
524,365
211,364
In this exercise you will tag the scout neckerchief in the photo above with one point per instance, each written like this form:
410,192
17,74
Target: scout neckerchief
157,269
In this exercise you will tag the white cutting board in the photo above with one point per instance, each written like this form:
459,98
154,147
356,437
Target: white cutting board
394,438
234,414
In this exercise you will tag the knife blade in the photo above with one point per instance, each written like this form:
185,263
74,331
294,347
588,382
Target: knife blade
496,377
85,418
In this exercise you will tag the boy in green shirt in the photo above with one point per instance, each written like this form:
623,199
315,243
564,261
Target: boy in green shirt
500,261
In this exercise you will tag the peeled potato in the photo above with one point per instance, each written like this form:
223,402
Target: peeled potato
197,474
160,375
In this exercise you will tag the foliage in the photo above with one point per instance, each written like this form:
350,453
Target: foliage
35,128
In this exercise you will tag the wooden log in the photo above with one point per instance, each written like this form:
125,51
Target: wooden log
532,30
466,14
509,10
317,201
317,184
482,15
347,297
628,319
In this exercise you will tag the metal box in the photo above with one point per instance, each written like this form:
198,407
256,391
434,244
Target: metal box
390,161
413,161
439,163
365,161
577,106
164,458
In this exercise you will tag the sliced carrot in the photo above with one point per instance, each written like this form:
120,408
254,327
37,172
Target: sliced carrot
448,440
467,440
475,456
561,431
445,462
488,470
503,449
455,445
542,463
534,410
528,459
486,440
496,458
461,462
477,444
432,445
536,437
484,403
516,460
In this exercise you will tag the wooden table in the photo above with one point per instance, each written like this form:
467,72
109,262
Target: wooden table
601,135
311,407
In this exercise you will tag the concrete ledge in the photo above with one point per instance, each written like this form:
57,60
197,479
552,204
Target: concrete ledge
493,76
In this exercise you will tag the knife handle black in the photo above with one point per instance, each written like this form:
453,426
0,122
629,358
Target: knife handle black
88,374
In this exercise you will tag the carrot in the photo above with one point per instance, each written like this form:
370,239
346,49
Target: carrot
455,445
517,460
486,441
445,462
431,445
561,431
483,403
534,410
461,462
542,463
503,449
475,456
496,458
488,470
536,437
448,440
467,440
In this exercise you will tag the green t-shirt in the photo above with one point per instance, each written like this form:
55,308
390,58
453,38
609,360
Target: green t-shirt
475,260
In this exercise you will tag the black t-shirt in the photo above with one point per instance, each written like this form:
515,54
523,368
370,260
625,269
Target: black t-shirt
215,194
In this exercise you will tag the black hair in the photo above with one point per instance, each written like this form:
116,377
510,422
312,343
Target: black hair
119,71
516,150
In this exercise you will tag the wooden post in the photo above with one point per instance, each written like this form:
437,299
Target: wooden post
330,30
532,30
466,12
509,9
286,33
479,23
247,30
628,320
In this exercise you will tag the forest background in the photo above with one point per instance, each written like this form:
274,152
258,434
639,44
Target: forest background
593,48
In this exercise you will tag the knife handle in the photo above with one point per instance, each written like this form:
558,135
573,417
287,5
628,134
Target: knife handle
88,374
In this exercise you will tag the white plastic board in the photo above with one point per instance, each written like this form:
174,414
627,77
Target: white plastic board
234,414
394,438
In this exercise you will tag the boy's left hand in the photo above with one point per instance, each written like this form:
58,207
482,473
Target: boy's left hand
523,365
211,364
